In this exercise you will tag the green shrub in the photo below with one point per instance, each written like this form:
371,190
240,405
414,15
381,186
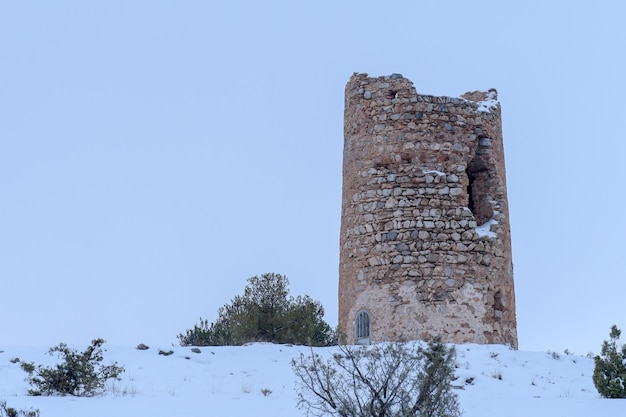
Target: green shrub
80,373
264,313
384,380
12,412
609,374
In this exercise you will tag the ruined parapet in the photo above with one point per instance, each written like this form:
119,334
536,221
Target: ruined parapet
425,238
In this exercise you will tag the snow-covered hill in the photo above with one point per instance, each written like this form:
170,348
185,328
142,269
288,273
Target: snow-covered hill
257,380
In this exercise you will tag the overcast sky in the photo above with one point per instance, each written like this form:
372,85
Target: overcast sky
156,154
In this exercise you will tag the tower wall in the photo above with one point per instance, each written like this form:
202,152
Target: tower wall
425,246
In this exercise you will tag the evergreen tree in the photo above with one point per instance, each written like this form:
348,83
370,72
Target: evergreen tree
609,374
264,313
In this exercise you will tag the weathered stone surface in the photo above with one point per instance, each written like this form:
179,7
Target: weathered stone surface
421,174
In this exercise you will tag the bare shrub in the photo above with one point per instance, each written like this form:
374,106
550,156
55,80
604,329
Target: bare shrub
6,411
384,380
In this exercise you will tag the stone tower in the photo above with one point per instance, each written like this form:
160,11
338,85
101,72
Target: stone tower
425,238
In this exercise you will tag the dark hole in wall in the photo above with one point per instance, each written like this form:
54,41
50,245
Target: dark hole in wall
498,306
392,94
497,300
478,191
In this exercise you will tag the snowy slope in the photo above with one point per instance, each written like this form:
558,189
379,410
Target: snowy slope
228,381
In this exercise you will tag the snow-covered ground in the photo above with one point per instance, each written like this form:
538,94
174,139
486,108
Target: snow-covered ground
231,381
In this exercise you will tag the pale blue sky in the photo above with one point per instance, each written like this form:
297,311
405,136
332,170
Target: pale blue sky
156,154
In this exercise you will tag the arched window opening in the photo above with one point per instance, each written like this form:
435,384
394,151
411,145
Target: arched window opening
362,327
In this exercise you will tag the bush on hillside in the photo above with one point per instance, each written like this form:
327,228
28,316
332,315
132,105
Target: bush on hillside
264,313
6,411
80,373
609,374
384,380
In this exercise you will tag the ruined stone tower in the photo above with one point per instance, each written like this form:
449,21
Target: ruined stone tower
425,238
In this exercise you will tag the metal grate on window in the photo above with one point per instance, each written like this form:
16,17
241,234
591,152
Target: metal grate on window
362,325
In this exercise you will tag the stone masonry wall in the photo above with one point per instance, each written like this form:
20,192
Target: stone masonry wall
425,239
